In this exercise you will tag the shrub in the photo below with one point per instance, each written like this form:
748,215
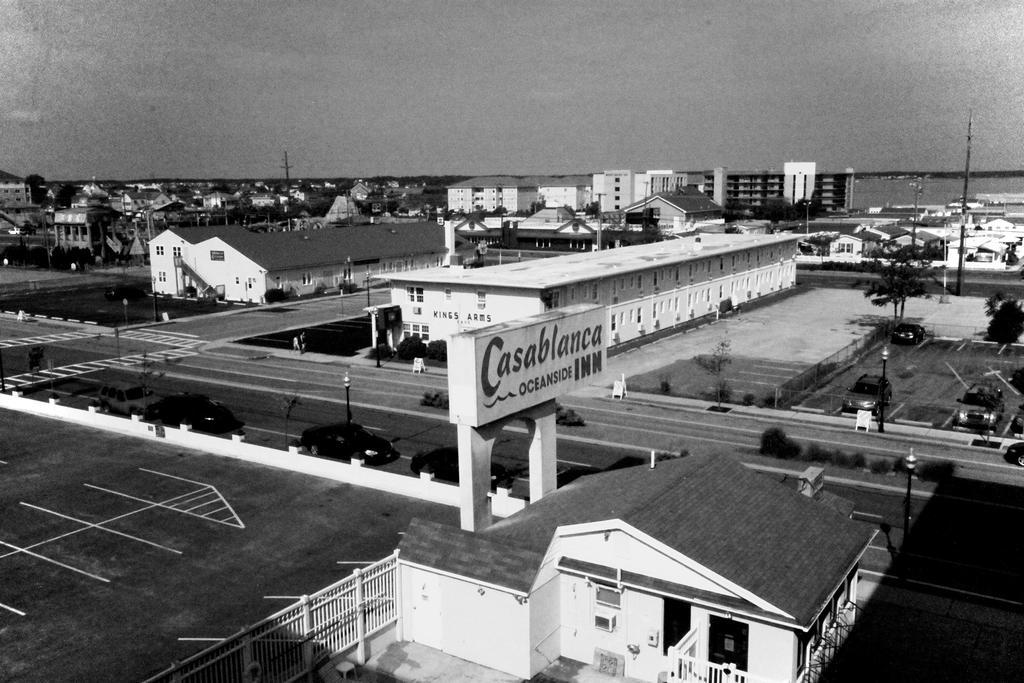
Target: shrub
435,399
817,453
438,350
881,465
273,296
843,459
768,401
411,347
568,417
664,385
749,399
859,461
775,443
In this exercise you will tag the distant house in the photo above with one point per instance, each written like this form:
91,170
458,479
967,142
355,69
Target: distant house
232,263
220,200
674,212
263,199
360,191
696,569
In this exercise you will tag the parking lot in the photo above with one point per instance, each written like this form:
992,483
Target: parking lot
125,554
927,379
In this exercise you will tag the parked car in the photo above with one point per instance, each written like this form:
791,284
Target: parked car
444,463
907,333
119,292
202,412
342,441
125,398
1015,453
981,408
865,392
20,230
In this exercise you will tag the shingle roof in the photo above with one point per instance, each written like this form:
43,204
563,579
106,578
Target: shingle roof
778,544
4,175
471,555
295,249
689,202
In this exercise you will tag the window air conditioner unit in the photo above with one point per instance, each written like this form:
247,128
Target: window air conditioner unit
605,621
416,310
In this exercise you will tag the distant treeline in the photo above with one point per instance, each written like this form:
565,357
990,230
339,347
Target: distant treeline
938,174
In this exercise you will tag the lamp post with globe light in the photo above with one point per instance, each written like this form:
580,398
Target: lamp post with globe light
882,386
348,405
909,464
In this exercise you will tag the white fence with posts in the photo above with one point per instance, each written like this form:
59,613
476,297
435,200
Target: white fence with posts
293,643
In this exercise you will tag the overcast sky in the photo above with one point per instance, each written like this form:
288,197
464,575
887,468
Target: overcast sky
138,89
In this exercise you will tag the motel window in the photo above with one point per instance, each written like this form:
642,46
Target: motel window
448,294
236,279
614,326
606,596
572,294
481,300
632,316
162,276
415,294
160,250
216,255
176,252
655,276
416,329
307,278
593,292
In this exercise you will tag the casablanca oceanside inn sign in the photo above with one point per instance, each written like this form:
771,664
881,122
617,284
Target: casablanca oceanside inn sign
501,369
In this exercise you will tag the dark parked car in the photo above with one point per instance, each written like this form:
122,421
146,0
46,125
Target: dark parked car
119,292
981,408
908,333
865,392
1015,453
125,398
444,463
202,412
342,441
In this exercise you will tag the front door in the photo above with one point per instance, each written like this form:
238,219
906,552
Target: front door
426,609
676,623
727,642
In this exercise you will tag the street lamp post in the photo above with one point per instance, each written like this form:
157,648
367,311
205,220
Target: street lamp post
910,464
124,303
348,405
881,392
156,314
807,216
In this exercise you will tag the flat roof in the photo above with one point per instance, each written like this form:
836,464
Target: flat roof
587,266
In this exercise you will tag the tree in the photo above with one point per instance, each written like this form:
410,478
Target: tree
36,187
902,273
715,364
1007,318
65,193
821,242
288,404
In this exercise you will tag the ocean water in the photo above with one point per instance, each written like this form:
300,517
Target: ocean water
936,191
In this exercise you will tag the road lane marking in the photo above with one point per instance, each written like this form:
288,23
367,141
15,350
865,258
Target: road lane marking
11,609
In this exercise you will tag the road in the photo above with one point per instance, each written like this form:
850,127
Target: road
944,548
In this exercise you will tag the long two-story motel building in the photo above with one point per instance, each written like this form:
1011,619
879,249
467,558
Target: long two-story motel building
644,289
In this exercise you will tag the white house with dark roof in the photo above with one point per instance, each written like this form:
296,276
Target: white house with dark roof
697,569
675,212
232,263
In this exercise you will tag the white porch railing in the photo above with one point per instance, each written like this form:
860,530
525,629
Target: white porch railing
684,665
290,644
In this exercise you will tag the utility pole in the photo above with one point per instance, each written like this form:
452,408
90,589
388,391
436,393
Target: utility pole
287,185
600,212
963,210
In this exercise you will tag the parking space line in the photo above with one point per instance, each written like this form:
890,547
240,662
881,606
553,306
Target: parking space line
47,559
76,531
11,609
955,374
99,525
